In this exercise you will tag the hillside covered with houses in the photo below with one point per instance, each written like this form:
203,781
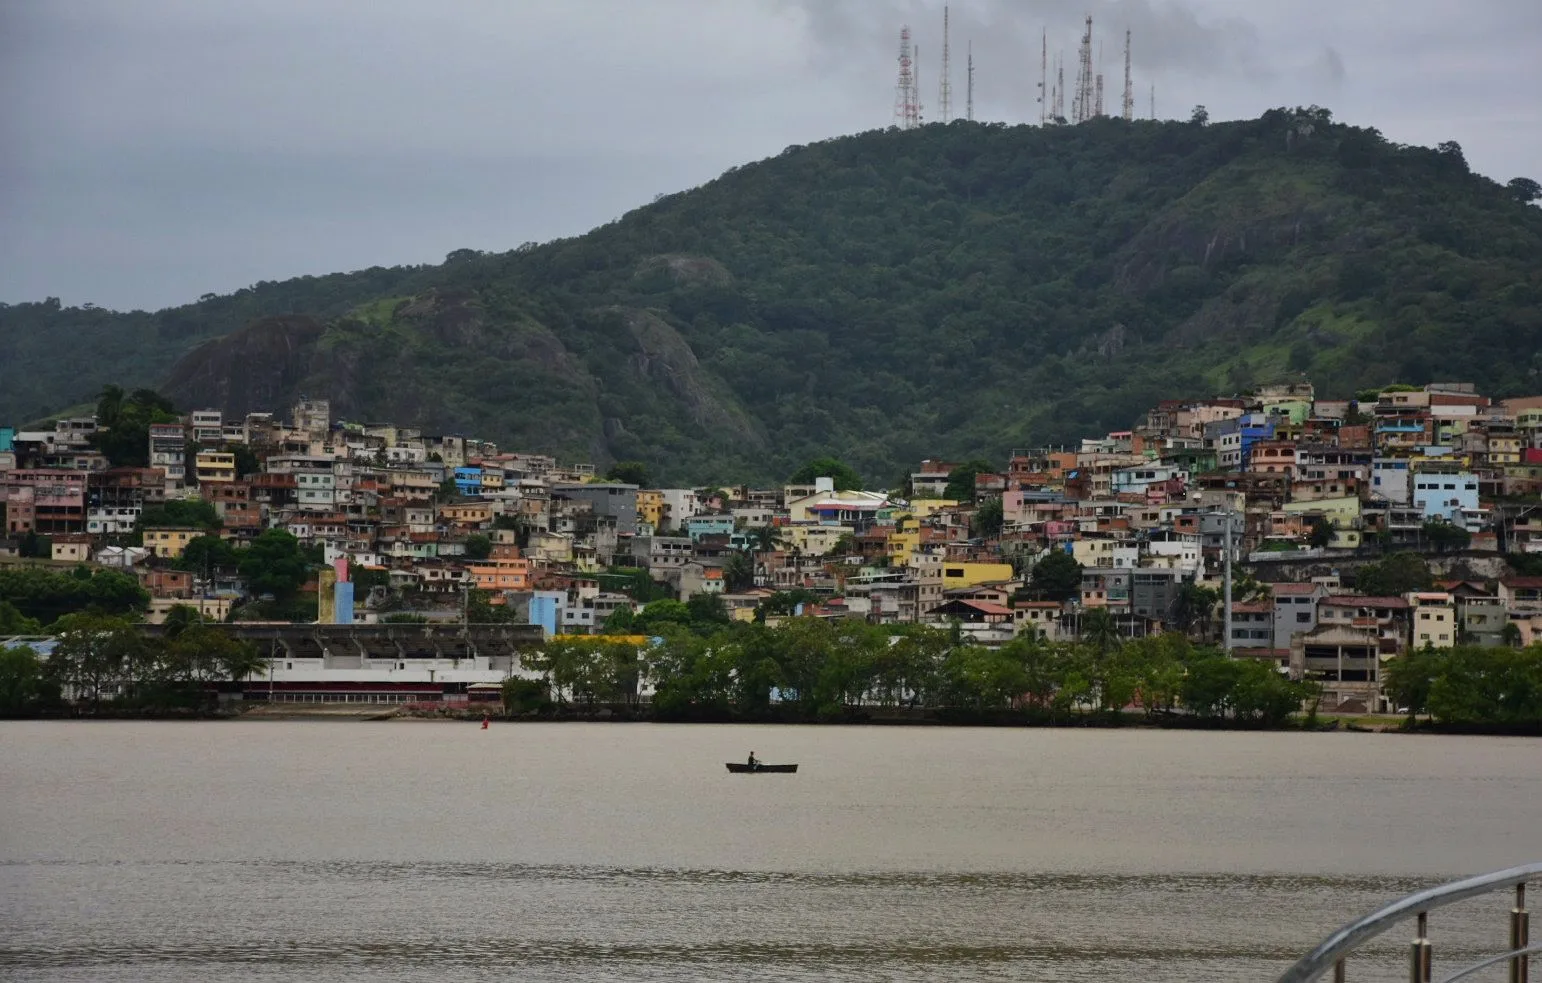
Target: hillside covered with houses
1361,532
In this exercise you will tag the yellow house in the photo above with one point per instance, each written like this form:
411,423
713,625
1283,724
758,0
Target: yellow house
216,466
922,508
1434,619
956,575
1342,513
650,506
815,540
1096,552
214,609
901,542
168,542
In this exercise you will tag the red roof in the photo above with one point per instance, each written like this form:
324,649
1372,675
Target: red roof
1525,583
1357,601
1291,589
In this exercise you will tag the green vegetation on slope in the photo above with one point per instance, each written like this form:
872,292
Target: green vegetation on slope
956,290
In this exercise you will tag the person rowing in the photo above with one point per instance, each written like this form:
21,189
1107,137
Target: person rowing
754,762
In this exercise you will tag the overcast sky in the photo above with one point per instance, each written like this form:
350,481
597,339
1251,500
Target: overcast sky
155,150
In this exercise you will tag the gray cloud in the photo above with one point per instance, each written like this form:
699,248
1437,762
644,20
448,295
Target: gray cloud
150,152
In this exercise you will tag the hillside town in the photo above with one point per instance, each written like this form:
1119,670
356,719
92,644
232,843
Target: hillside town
1300,510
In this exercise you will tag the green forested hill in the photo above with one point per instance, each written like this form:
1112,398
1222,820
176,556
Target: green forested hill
959,289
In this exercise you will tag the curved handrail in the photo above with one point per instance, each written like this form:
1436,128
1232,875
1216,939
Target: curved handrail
1462,974
1362,930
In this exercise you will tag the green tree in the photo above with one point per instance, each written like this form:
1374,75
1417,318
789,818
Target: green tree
1321,533
707,612
275,564
846,477
182,512
631,473
656,614
478,546
961,480
987,519
13,622
1057,576
1445,537
44,596
25,689
92,653
738,572
33,546
1524,190
123,422
1395,575
208,552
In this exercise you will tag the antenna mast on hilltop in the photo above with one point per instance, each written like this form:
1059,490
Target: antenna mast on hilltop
906,112
945,87
1059,86
1129,91
1153,100
917,68
1081,105
969,99
1097,101
1044,78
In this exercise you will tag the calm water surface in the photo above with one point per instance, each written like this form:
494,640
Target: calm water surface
333,851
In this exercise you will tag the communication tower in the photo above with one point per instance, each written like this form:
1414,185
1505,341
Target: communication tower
907,113
969,86
945,87
1081,105
1129,90
1059,86
1044,99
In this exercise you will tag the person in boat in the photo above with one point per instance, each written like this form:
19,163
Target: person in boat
754,762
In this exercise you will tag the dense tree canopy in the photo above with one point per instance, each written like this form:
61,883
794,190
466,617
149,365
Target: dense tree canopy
845,477
45,595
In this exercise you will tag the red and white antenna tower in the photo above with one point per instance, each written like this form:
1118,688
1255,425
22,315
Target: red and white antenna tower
1129,89
1081,105
907,114
945,87
969,98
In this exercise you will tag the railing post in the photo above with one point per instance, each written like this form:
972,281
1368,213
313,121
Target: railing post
1421,961
1340,974
1520,936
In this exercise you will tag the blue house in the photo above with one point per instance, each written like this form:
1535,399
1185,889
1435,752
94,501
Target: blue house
698,526
468,481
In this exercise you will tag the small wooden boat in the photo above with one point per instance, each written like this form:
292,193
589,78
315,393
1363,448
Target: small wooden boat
741,768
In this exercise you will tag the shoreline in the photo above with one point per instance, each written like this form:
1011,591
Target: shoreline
385,712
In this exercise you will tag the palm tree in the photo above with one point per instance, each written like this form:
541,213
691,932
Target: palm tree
766,538
1101,631
109,406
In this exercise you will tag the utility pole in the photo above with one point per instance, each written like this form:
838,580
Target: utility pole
1227,586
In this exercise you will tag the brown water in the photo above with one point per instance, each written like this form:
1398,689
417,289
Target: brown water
334,851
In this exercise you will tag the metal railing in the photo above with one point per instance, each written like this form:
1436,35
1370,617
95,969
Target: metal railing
1333,953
